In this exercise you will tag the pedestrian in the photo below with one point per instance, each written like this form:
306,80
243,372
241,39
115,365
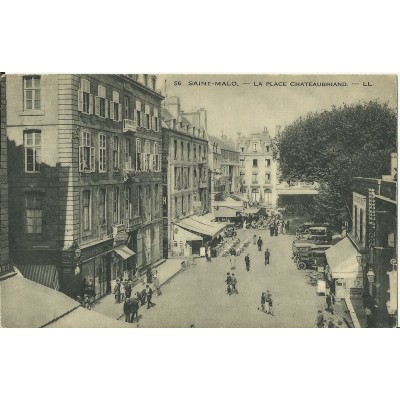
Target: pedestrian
233,262
128,289
143,296
259,243
234,283
208,255
149,275
156,285
247,262
320,322
254,239
330,301
123,283
228,282
266,256
287,225
149,295
127,310
134,309
117,291
283,228
263,300
271,230
269,301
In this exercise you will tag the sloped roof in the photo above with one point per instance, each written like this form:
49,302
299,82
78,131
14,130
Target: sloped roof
221,144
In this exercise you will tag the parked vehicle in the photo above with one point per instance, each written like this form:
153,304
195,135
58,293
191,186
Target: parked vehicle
309,255
303,229
319,234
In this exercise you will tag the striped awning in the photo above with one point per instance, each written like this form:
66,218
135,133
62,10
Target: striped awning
46,275
124,252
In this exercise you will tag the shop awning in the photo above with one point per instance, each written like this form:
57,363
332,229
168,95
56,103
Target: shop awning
181,234
124,252
225,212
342,259
202,225
46,275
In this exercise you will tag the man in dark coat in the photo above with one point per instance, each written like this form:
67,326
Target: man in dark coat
128,289
228,282
134,309
127,310
149,295
320,319
247,262
266,256
259,243
330,301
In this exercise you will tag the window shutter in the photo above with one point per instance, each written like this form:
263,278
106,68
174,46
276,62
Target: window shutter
112,110
97,105
92,160
80,100
90,104
141,119
106,102
159,163
119,112
81,158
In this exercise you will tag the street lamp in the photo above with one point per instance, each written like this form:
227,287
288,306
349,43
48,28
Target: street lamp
371,278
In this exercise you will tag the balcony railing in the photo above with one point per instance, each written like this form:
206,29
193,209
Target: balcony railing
129,125
132,223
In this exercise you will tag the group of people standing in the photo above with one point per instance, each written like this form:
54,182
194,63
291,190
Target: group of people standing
278,226
266,302
231,282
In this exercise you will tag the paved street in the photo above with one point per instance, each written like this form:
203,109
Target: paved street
197,296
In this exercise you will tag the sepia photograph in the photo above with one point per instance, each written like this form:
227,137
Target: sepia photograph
198,201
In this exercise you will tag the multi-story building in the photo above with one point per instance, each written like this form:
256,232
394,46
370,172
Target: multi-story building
5,264
224,166
85,177
257,168
185,175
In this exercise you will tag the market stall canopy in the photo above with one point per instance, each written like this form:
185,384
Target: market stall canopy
27,304
124,252
181,234
202,225
83,318
342,259
226,212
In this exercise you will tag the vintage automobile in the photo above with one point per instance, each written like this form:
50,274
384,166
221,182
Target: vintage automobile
313,259
303,229
319,234
300,247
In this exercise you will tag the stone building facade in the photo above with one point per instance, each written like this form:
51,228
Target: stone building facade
85,161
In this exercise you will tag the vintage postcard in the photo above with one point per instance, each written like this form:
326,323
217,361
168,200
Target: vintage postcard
198,201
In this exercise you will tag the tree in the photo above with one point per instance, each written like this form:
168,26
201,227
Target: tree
331,147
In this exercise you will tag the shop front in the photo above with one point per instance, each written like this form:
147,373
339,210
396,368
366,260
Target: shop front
345,267
94,268
184,243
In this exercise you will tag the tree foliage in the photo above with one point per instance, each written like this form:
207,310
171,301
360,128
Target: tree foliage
331,147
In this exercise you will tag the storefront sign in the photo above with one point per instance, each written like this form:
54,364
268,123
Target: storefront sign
96,250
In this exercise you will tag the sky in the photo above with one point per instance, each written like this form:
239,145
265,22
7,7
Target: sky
254,101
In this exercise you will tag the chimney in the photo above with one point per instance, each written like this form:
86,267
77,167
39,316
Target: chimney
174,106
203,118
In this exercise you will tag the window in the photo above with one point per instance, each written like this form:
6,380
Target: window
156,198
138,200
189,204
267,178
267,149
32,146
101,102
32,93
85,98
242,162
156,127
156,158
254,178
128,203
86,153
242,149
34,212
116,205
147,122
267,163
189,181
102,153
188,151
115,108
147,156
126,107
255,162
254,147
138,155
102,206
116,153
225,171
194,152
128,158
182,205
87,215
175,149
148,203
182,155
361,226
175,177
204,152
139,120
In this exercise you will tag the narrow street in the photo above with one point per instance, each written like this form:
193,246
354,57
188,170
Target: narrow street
197,296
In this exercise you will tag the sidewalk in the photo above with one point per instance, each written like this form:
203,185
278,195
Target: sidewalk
165,271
